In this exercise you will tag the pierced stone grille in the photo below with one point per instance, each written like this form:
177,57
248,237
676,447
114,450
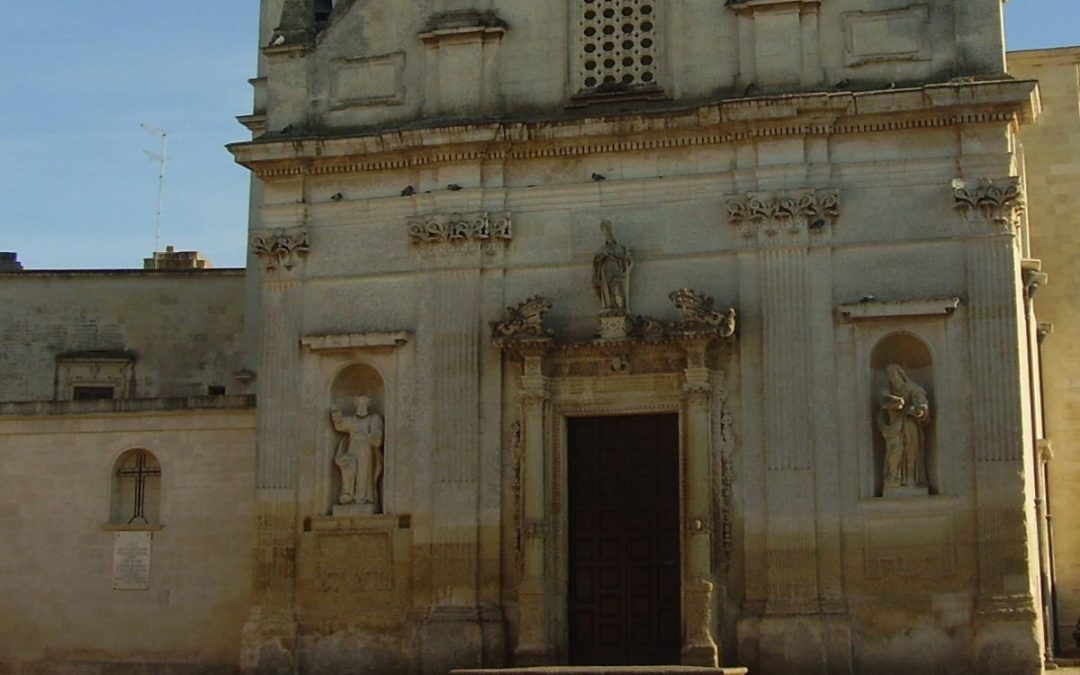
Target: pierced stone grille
619,48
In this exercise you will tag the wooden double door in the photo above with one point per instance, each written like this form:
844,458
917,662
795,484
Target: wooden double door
624,572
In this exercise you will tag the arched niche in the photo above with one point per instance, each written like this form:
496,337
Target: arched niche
135,497
916,359
351,383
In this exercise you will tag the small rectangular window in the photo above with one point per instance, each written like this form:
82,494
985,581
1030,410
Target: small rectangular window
214,390
88,393
618,48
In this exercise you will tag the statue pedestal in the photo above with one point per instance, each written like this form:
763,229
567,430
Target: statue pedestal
890,491
614,325
354,509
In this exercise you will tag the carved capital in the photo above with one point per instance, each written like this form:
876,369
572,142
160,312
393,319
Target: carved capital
458,229
283,248
779,217
999,203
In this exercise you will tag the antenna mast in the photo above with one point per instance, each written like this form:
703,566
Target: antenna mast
160,158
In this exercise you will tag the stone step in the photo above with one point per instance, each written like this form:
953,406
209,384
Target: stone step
605,670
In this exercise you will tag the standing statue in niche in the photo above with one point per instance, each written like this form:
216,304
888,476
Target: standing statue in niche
902,420
359,456
611,273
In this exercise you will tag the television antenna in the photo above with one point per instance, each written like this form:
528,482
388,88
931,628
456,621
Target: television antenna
159,157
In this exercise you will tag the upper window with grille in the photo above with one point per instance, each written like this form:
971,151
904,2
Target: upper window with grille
618,46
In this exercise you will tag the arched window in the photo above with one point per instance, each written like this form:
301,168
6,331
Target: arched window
136,489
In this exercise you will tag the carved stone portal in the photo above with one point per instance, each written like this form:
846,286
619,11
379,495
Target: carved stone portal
359,458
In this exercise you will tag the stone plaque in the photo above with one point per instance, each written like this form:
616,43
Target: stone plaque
131,560
351,562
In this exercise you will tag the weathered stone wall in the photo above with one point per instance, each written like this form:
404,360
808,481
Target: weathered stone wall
1051,152
817,556
183,331
377,65
61,613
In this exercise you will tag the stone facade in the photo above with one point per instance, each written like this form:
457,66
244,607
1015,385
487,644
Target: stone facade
1051,150
797,231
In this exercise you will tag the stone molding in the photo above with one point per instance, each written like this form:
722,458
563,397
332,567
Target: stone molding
871,308
765,5
279,248
458,23
724,122
457,229
998,202
763,216
354,341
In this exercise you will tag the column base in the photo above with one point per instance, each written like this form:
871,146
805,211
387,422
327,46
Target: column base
268,643
462,637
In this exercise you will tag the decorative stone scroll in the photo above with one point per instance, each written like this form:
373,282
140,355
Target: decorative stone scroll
698,313
765,215
998,202
523,321
459,228
280,248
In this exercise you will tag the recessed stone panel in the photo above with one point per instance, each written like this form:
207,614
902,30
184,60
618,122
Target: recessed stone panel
896,35
369,81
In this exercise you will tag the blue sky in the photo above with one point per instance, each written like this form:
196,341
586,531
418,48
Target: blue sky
80,76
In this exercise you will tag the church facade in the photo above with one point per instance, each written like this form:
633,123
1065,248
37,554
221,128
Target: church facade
581,332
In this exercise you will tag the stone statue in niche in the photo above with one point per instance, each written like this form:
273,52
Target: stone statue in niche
902,420
359,457
611,272
611,281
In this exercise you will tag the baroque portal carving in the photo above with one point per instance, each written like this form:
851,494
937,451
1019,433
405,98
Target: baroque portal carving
359,457
280,248
523,321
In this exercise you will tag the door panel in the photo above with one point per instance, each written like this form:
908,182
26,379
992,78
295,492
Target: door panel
624,540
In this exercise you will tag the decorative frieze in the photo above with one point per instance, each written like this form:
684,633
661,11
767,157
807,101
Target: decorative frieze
997,202
766,215
456,228
280,248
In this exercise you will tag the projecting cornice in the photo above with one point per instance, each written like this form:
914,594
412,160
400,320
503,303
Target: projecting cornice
733,120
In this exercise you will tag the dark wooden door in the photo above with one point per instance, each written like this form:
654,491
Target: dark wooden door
624,540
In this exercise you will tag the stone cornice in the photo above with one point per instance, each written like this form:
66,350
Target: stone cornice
733,120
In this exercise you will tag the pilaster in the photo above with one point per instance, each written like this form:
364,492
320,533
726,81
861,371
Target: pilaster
534,638
269,638
699,640
1005,604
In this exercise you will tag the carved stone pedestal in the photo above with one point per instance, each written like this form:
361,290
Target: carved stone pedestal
354,509
614,326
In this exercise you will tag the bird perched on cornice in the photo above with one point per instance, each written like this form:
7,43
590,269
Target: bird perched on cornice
453,187
408,191
598,177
